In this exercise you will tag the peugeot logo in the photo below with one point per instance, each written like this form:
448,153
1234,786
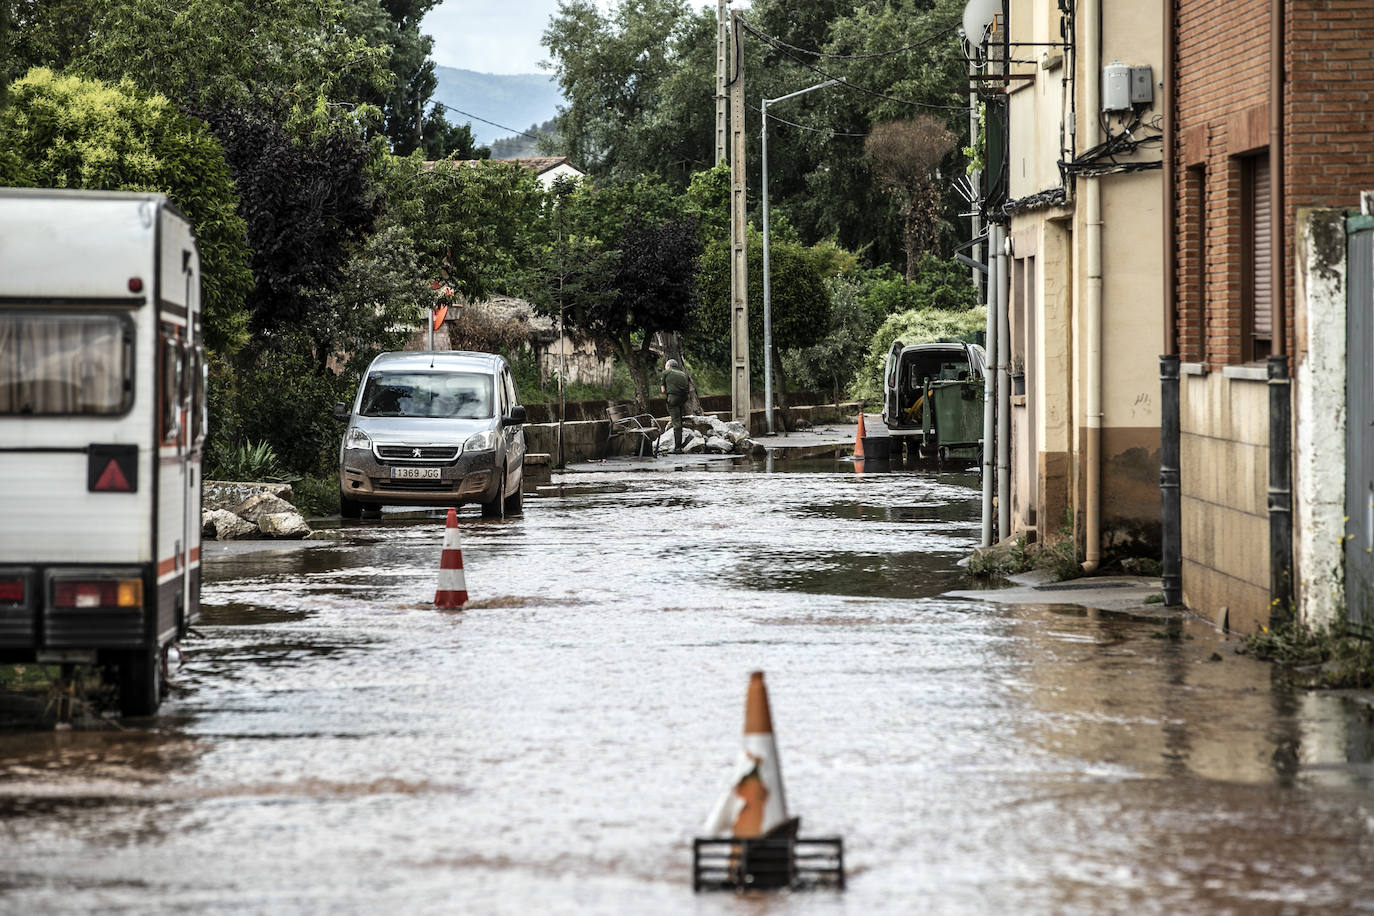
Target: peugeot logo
415,453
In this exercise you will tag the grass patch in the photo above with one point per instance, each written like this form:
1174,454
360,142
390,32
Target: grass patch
1019,556
316,497
1156,598
1341,659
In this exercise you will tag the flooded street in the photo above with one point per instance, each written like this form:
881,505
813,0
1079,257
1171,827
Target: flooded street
336,744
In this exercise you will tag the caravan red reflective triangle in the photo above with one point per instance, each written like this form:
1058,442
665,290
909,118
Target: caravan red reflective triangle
112,480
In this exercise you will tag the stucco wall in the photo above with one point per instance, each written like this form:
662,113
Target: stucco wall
1224,450
1319,444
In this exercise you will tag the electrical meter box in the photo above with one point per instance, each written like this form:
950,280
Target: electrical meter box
1142,86
1116,87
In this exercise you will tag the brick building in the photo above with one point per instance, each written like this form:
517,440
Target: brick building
1241,284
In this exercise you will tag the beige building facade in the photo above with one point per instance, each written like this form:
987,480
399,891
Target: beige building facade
1085,264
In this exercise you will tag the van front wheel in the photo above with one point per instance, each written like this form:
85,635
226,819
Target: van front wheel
497,507
349,508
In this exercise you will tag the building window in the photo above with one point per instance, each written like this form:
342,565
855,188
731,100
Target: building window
1257,260
1192,299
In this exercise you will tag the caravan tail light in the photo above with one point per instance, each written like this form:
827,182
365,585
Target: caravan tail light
12,590
98,593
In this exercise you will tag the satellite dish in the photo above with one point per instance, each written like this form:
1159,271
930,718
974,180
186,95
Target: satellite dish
978,15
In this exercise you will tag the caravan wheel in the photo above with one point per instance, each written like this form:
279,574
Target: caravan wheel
140,682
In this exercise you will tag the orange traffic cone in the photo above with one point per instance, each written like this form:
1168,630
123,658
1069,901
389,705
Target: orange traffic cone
859,437
453,588
753,804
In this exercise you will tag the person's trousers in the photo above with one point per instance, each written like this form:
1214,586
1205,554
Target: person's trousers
675,414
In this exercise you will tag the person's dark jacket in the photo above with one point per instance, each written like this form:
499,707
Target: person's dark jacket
675,387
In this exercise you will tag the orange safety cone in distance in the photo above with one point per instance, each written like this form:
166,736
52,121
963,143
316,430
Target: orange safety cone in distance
753,803
859,437
453,588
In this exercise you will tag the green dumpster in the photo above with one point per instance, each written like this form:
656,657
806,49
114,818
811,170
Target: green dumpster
957,412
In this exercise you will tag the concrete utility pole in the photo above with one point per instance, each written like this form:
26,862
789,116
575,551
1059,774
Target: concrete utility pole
722,46
739,259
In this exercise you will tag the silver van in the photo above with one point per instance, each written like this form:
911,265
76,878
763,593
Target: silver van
433,428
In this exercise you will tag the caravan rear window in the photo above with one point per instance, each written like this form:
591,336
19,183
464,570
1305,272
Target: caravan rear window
65,364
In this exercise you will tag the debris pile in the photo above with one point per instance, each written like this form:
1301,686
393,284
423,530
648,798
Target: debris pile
711,435
233,511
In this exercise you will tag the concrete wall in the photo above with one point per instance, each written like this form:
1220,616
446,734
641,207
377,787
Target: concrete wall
1224,450
1319,417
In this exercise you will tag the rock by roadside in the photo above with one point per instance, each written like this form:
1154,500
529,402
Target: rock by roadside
711,435
236,510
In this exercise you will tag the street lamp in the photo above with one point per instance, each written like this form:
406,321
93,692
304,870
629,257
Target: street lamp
767,285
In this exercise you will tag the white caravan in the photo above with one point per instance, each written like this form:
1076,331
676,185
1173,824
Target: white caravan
102,423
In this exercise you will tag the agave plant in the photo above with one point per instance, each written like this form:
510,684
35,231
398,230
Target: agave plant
255,461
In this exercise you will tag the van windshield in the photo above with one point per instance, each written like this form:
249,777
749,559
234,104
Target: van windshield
72,364
466,395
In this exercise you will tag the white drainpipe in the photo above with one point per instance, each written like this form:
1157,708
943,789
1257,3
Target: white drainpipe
1092,297
1003,389
990,392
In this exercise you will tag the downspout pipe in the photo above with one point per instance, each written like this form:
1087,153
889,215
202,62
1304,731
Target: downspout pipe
1170,419
1003,389
1092,299
1280,388
990,393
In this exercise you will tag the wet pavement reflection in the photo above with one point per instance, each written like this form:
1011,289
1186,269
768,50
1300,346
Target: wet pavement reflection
335,744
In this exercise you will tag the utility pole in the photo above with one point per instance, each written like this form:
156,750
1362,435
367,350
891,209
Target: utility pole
722,46
739,260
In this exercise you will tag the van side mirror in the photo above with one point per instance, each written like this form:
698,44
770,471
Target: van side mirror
341,412
516,416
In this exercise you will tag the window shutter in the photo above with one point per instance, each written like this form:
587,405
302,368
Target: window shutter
1263,312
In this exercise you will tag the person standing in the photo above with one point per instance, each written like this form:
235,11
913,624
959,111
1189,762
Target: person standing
675,386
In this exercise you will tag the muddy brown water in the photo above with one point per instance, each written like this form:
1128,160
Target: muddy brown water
333,744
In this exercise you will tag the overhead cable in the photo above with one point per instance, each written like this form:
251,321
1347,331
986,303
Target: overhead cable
816,130
780,44
492,123
844,82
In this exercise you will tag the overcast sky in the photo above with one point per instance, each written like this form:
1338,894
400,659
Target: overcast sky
494,36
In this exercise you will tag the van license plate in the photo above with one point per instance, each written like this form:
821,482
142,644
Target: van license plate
414,473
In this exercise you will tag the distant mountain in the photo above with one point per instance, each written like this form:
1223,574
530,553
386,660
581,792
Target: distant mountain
516,100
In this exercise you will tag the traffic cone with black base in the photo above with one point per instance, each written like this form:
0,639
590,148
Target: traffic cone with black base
753,804
453,588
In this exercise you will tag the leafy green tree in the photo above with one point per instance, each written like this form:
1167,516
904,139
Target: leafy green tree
638,81
798,299
68,132
473,226
308,202
216,51
832,362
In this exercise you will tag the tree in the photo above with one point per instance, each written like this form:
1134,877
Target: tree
906,157
799,302
656,291
472,225
67,132
216,51
636,81
308,203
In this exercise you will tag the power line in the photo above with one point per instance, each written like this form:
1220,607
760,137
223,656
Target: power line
492,123
780,44
815,130
844,82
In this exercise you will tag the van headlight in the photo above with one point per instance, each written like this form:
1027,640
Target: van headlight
484,441
356,438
